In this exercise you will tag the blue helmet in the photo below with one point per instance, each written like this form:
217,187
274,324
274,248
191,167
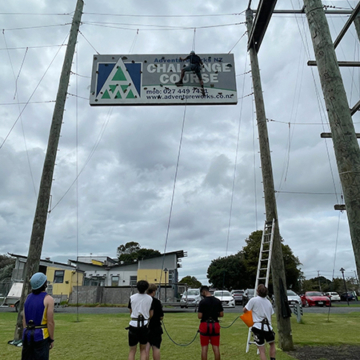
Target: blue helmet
37,280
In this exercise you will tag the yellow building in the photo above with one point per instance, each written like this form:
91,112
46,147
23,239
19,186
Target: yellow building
61,277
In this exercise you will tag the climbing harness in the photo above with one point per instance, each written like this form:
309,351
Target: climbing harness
210,328
140,321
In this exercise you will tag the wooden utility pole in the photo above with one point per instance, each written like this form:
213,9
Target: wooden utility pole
39,224
347,151
357,25
277,263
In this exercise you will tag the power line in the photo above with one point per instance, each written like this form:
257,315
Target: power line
38,14
36,27
165,16
32,47
155,27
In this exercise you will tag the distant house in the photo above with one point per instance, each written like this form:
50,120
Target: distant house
104,271
61,277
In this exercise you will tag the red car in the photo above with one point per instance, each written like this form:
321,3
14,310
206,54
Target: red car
315,298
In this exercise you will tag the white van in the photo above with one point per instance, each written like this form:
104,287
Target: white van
191,297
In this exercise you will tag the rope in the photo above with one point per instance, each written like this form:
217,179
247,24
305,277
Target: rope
226,327
173,193
176,342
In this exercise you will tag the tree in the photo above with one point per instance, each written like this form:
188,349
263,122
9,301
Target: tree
239,271
132,251
7,265
228,272
191,281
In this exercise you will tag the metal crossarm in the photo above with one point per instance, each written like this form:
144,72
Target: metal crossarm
263,269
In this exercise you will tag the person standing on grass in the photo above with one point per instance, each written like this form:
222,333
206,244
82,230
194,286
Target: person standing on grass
140,306
210,309
155,329
262,330
38,321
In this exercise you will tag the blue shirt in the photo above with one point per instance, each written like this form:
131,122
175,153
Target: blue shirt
34,309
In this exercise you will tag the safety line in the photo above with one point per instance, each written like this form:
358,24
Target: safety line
176,342
226,327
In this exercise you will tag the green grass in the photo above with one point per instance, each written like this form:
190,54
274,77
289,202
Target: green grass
104,336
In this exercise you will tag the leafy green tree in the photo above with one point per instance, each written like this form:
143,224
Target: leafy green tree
239,271
191,281
228,272
7,265
132,251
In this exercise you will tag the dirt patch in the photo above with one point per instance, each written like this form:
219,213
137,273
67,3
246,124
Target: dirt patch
347,352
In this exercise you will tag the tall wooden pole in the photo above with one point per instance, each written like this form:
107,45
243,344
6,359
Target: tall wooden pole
285,341
357,25
39,224
347,151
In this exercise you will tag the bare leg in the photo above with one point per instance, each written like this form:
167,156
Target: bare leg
143,352
148,346
204,351
216,351
132,353
262,352
156,353
272,350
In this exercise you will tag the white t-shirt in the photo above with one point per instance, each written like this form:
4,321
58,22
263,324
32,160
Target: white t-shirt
140,304
261,309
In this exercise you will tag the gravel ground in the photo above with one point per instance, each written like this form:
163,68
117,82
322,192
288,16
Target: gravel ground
326,353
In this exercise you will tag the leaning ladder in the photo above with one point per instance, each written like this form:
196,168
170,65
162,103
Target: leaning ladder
263,269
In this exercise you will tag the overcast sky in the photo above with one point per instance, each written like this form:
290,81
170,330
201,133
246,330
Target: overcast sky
127,156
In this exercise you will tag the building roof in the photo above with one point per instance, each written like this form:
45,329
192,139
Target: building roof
46,261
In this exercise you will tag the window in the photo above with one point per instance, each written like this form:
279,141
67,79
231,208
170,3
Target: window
115,281
59,276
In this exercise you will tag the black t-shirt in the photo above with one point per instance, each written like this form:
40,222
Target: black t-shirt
210,307
194,59
158,313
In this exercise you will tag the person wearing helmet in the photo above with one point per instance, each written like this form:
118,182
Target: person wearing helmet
195,65
38,321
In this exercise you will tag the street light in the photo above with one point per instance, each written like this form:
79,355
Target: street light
347,297
165,271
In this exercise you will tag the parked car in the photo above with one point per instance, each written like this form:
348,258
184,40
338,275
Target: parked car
238,296
191,297
293,298
334,296
225,297
315,298
349,295
248,294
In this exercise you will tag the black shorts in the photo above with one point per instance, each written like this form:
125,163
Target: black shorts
261,336
138,335
154,338
36,350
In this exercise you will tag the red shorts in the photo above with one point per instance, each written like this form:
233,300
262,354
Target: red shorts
211,333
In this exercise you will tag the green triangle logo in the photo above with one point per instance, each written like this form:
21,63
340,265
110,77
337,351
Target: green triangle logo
106,95
130,95
119,75
118,96
112,88
124,87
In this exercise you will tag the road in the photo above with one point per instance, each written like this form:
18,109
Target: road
237,309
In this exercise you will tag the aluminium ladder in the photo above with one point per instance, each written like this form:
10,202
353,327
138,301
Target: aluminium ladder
263,269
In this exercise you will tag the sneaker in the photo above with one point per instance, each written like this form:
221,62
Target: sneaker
179,83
